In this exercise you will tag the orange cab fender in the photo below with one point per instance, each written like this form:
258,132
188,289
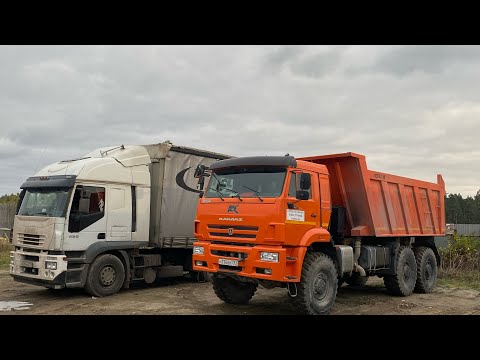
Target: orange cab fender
314,235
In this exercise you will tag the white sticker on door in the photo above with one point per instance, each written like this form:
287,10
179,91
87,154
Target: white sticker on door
296,215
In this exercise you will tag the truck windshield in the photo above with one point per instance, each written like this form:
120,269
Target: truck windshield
44,202
247,182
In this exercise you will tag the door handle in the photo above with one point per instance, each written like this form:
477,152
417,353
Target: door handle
101,236
313,215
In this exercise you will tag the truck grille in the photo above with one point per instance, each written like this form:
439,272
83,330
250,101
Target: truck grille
31,239
234,231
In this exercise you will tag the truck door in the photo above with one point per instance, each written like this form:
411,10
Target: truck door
87,220
304,214
119,207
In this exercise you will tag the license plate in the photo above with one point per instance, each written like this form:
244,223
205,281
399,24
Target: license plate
228,262
26,263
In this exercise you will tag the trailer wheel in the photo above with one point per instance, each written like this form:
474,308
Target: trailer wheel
105,276
403,282
232,291
356,280
426,270
317,289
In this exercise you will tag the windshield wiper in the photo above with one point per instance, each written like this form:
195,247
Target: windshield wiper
218,183
254,191
32,213
235,193
41,213
216,189
219,194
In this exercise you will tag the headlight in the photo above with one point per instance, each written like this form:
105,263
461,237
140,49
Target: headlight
198,250
269,256
51,265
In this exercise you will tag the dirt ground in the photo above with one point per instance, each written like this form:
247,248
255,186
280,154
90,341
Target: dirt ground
185,297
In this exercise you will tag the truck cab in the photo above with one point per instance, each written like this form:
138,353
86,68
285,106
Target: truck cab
272,209
74,210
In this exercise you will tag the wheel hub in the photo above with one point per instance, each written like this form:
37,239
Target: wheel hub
320,287
428,271
406,271
107,276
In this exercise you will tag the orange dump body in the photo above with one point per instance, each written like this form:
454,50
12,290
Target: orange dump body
380,204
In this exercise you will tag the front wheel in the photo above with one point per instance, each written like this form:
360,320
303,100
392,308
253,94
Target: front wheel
105,276
233,291
317,289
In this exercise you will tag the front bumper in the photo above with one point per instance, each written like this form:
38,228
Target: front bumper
287,269
29,267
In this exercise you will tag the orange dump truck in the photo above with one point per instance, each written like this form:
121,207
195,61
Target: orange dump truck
312,223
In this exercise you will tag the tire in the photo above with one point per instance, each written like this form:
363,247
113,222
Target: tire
317,289
403,282
356,280
200,276
426,270
105,276
232,291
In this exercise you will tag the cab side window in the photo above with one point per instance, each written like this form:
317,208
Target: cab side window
295,184
88,206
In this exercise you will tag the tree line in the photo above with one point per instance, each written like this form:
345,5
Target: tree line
12,198
462,211
458,210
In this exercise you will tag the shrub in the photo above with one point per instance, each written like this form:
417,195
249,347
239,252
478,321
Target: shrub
461,256
5,249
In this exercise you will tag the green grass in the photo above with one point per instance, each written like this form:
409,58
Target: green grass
5,249
467,280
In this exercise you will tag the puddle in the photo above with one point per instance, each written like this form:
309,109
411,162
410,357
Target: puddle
14,305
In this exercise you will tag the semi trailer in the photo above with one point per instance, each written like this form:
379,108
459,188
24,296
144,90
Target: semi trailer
114,216
309,224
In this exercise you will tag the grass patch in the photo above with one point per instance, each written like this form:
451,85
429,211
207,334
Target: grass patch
461,263
470,281
5,249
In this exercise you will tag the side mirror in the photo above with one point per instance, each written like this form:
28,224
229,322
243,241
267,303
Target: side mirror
302,195
199,171
201,182
305,181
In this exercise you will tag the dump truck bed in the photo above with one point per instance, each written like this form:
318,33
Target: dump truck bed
380,204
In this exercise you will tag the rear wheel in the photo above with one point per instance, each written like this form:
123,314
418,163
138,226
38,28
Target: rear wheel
317,289
105,276
403,282
233,291
356,280
426,270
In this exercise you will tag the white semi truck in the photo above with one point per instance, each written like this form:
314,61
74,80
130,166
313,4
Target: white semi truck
111,217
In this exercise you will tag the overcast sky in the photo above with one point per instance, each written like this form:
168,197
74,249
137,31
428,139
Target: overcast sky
412,110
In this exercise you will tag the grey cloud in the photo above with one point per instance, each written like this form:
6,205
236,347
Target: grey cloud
302,62
433,59
282,55
317,65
